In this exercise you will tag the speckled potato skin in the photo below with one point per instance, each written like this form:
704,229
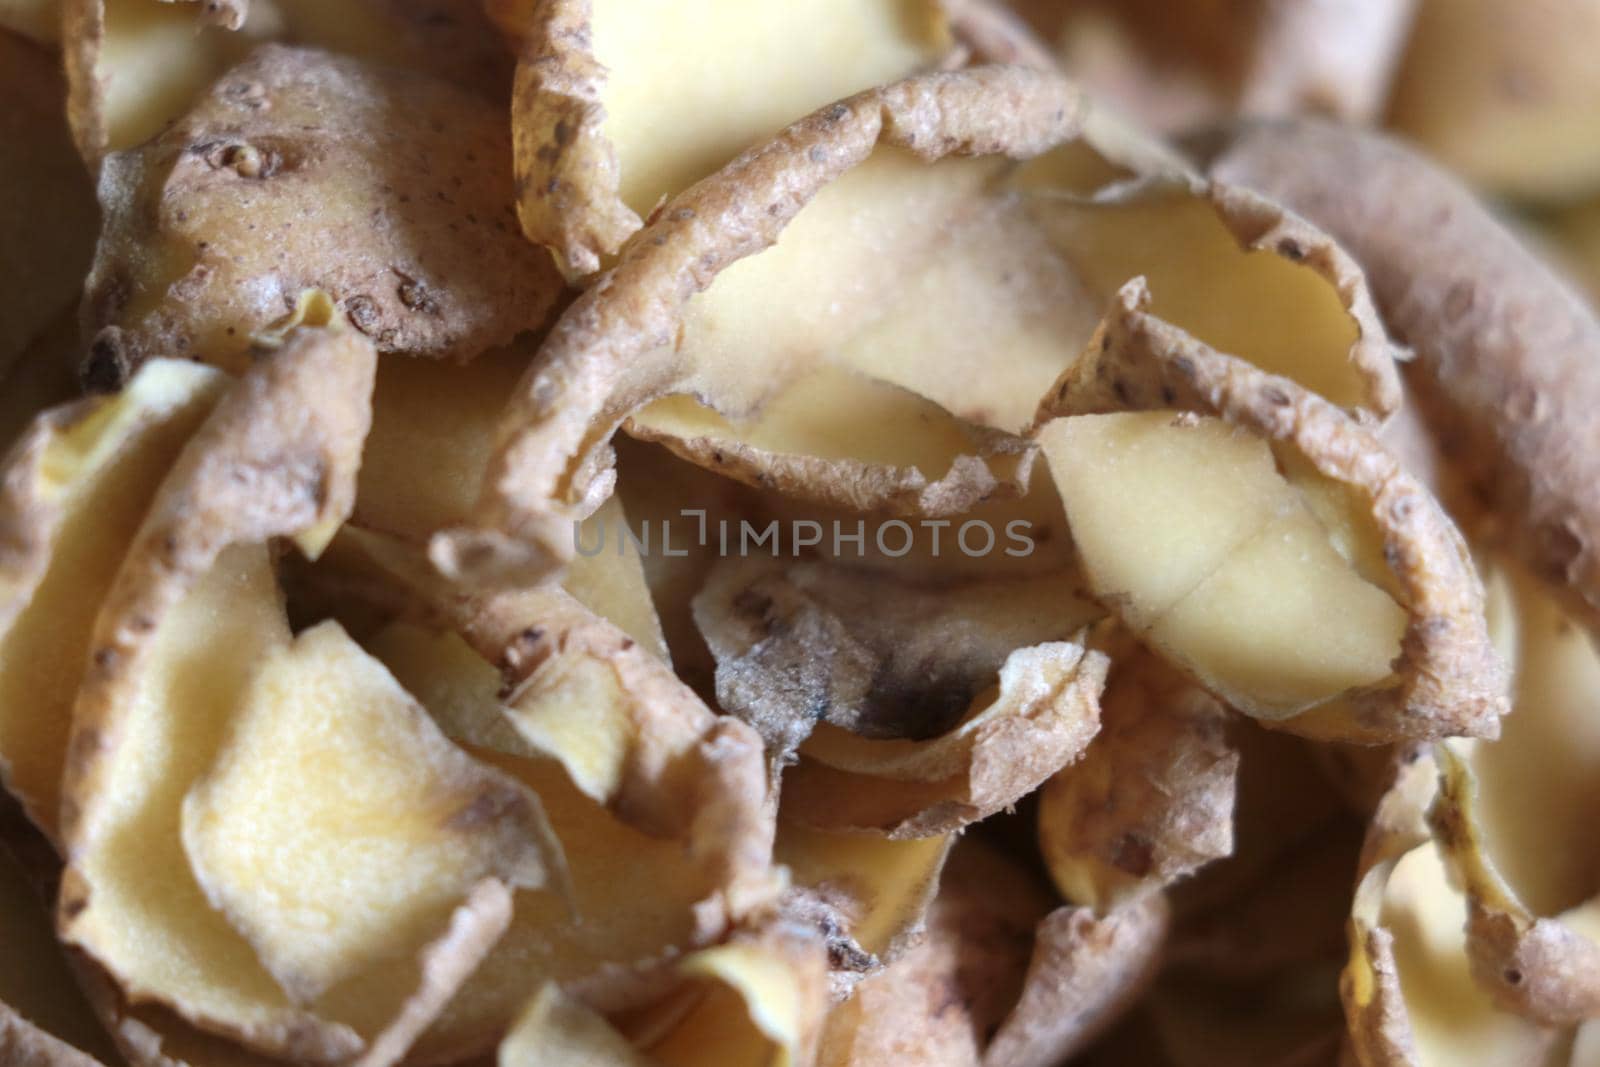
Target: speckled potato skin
1448,681
389,190
1508,355
609,354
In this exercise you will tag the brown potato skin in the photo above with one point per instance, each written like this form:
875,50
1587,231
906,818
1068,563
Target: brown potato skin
1507,367
390,190
606,356
1448,680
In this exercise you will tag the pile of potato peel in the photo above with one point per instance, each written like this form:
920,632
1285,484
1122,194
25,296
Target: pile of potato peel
807,534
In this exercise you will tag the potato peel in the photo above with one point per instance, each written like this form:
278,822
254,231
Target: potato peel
1508,356
184,264
1541,968
884,656
417,830
583,192
1086,972
26,1045
635,773
1408,996
1152,799
1241,273
277,457
1448,678
70,500
611,351
1042,715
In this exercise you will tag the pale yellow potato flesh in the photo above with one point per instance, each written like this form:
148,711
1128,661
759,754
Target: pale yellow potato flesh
556,1030
157,58
1200,279
1141,491
742,344
831,413
150,919
613,923
1537,787
432,433
612,583
992,282
754,1012
100,468
738,71
881,886
1285,622
1217,559
338,829
1453,1022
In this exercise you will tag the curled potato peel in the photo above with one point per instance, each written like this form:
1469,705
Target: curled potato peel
1390,533
1505,366
612,352
276,457
601,142
1152,799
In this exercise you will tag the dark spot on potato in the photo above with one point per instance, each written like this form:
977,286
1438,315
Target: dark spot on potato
105,369
1513,976
1274,395
416,295
362,311
1289,248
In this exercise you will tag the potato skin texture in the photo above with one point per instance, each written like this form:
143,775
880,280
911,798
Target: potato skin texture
1449,681
1508,355
389,190
606,355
